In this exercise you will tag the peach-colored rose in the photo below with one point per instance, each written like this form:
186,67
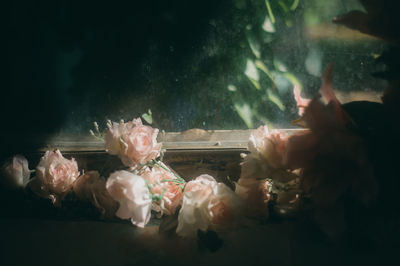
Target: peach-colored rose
92,187
269,145
206,204
55,176
170,192
220,213
131,192
15,172
133,142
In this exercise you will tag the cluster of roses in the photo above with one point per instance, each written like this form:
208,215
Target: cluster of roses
146,185
264,177
149,185
324,162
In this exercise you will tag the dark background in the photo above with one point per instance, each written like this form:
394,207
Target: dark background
76,60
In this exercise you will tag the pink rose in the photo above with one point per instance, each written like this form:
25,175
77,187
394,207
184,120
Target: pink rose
301,102
15,172
55,176
132,142
206,204
170,192
131,192
269,145
92,187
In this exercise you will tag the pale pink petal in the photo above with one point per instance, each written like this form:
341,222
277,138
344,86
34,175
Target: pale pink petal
56,175
302,103
131,192
206,204
329,96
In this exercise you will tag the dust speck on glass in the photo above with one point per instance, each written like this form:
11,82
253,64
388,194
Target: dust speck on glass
207,64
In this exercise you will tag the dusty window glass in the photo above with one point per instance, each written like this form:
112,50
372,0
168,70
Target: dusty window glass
177,64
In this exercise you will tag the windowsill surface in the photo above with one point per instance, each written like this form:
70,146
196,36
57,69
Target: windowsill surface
193,139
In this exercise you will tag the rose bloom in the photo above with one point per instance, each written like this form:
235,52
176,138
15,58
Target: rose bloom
170,191
131,192
92,187
15,172
206,204
55,176
270,145
133,142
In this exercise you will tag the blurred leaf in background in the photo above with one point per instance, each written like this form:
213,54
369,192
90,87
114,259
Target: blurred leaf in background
258,98
148,117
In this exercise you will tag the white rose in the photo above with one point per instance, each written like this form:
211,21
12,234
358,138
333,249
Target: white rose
194,213
206,204
131,192
15,172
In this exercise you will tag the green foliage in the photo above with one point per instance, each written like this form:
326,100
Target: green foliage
255,93
148,117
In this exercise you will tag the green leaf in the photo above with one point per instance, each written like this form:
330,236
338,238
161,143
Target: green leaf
148,117
276,100
173,180
260,65
255,83
251,70
254,46
251,73
279,65
245,113
267,25
271,14
294,5
295,81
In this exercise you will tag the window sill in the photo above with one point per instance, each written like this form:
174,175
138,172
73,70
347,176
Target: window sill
192,139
